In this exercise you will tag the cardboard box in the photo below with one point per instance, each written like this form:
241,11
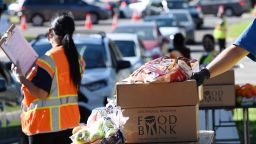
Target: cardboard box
219,91
218,96
224,79
159,112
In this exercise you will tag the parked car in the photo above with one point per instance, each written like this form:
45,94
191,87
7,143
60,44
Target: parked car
168,26
231,7
10,96
195,13
186,21
104,67
154,42
131,47
38,11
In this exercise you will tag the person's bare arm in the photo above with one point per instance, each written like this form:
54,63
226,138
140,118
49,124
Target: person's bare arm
33,89
226,60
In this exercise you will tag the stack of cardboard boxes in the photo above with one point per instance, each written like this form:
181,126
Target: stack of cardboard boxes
219,91
160,112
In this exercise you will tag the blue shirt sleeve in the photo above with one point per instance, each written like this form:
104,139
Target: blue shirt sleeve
247,40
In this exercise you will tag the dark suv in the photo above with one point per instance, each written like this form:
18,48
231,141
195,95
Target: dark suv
231,7
39,11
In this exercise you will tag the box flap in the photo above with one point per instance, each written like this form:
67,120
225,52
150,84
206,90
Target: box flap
223,79
157,94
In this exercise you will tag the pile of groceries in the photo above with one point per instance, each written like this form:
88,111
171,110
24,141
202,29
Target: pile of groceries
105,125
163,69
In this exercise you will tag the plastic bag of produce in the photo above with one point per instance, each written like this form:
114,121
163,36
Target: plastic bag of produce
104,126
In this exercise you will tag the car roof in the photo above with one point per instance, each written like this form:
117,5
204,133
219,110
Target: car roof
80,38
137,24
122,36
179,11
162,16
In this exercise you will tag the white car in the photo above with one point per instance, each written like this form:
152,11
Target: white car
131,48
185,20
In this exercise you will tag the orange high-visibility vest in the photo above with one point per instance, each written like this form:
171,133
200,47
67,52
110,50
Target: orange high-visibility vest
60,110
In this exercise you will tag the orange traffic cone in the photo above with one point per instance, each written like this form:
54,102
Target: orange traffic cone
114,21
135,16
88,21
254,10
23,22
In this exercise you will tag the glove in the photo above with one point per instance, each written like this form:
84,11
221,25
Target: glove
201,76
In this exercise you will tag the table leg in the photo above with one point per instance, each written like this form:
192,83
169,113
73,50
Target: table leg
206,119
246,126
213,125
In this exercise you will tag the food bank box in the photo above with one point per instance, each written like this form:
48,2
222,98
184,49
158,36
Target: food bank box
219,91
159,112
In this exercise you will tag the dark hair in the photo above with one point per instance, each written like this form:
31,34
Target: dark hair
64,26
208,46
178,40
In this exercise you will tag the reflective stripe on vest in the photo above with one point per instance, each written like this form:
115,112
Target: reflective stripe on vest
54,102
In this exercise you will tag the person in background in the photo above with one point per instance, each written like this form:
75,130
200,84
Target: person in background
50,108
208,44
179,47
220,31
245,45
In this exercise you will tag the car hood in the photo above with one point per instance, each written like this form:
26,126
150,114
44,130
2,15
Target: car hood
166,31
92,75
150,44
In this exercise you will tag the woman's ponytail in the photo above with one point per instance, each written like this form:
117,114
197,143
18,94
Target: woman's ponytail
73,58
64,27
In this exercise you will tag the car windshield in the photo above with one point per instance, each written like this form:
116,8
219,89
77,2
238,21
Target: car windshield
94,54
181,17
127,48
177,5
163,22
146,33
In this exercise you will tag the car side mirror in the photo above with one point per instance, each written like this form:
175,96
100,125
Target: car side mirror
3,86
122,64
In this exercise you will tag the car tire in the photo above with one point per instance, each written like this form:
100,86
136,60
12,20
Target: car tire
229,12
37,20
94,18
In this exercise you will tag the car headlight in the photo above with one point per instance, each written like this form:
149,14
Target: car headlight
96,85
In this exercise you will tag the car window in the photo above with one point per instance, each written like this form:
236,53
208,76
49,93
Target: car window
44,2
164,22
181,17
177,5
146,33
94,55
127,48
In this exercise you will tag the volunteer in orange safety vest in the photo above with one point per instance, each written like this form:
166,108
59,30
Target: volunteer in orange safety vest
49,108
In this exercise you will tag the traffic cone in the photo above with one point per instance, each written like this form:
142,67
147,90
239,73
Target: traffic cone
254,10
114,21
220,10
23,22
135,16
88,21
